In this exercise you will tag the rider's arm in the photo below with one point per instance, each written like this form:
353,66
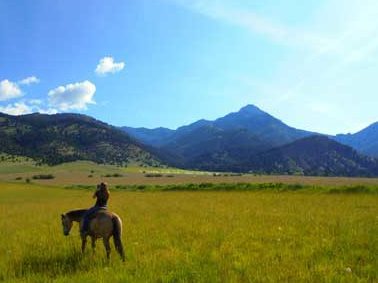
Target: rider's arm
95,194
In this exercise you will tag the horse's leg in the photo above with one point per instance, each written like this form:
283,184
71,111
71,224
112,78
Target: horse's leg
107,246
93,238
83,243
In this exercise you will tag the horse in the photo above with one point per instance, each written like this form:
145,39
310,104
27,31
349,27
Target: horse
104,224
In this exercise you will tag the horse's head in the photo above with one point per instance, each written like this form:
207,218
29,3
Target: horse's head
67,224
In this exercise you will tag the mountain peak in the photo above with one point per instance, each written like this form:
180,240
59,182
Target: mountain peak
251,109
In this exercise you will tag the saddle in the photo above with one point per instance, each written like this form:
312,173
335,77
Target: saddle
93,214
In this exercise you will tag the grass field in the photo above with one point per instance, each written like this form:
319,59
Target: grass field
194,236
89,173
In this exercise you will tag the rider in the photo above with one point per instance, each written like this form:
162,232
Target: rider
102,196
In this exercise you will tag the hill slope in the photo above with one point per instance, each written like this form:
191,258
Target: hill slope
365,141
60,138
315,155
212,148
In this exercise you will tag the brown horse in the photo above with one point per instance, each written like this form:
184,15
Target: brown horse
104,224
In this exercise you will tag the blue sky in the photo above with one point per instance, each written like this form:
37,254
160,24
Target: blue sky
312,64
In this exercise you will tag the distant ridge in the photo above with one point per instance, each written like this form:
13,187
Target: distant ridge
365,141
155,137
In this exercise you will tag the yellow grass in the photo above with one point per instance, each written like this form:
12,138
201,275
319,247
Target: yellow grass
194,237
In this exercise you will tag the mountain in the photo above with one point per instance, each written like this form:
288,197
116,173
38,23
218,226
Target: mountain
261,124
317,156
154,137
365,141
219,144
250,118
60,138
212,148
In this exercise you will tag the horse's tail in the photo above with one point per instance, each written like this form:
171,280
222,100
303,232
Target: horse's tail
117,236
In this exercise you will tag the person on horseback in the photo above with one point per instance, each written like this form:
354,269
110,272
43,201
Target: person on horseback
102,196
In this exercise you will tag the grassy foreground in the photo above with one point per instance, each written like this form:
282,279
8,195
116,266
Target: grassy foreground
194,236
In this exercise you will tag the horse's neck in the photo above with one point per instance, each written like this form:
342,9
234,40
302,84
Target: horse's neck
76,215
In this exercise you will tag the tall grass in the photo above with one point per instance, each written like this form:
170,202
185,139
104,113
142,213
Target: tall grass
194,236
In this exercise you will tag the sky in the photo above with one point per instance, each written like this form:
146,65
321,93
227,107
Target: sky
149,63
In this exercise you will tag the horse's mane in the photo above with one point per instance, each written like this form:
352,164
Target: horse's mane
77,213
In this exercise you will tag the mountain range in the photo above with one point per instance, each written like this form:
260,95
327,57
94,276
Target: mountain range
249,140
239,141
249,118
219,144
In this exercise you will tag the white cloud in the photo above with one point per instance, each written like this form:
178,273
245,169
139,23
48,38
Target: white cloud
74,96
18,108
9,90
227,11
29,80
26,107
336,35
47,111
107,65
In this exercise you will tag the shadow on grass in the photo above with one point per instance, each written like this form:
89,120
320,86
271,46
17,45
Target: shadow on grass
239,187
354,189
51,266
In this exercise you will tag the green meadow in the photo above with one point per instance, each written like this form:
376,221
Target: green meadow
254,234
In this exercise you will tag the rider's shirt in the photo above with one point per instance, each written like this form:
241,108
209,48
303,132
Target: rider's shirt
102,196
